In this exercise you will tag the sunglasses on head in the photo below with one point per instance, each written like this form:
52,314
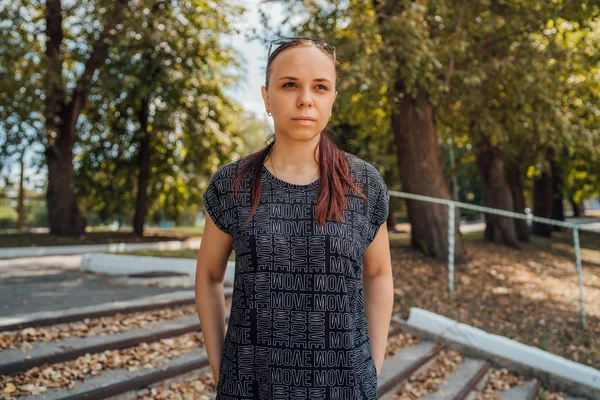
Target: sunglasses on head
284,40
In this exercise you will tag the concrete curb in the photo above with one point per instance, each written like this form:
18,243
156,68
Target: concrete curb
114,264
20,252
557,370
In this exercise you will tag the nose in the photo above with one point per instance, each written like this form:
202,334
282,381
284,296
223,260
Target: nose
305,100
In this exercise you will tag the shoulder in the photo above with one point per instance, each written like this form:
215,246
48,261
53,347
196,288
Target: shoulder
226,171
377,193
366,171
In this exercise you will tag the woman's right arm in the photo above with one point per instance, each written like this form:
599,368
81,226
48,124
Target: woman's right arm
215,249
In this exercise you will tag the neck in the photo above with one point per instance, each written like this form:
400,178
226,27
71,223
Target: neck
294,156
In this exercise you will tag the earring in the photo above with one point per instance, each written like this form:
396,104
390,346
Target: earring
269,114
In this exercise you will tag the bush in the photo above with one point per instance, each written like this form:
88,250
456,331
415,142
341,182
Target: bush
8,218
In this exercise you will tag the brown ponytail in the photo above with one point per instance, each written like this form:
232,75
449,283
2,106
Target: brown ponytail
334,172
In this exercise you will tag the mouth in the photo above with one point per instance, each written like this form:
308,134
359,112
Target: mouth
303,119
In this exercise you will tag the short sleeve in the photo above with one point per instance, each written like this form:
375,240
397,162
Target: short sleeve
214,204
382,206
379,203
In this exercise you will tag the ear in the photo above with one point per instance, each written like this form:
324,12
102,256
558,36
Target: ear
265,96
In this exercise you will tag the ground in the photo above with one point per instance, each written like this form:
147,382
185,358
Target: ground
529,295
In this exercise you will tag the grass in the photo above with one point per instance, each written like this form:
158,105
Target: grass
27,239
189,230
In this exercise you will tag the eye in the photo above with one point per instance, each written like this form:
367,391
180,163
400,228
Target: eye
322,87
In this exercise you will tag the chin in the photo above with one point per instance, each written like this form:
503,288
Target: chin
302,132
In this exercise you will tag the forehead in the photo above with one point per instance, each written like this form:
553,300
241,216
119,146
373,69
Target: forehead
303,62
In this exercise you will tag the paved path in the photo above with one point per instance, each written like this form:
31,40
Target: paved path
54,283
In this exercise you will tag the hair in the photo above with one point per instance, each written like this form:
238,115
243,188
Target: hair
334,168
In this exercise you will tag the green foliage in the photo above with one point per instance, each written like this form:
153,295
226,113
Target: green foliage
520,75
8,218
466,171
172,58
20,79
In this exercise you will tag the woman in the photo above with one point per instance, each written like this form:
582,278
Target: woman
304,219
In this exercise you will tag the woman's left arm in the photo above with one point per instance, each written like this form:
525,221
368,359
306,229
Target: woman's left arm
378,292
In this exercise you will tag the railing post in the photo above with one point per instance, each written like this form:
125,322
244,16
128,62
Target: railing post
579,275
451,214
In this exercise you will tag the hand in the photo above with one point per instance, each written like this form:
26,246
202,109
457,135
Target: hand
216,379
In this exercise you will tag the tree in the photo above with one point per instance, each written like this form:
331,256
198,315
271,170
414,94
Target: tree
388,92
510,87
161,106
20,100
85,45
63,107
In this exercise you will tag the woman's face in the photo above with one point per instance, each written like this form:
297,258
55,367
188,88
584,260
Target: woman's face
302,84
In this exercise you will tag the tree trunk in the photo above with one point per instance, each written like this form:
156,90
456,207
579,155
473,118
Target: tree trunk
391,221
576,208
496,194
419,158
542,203
141,203
61,116
558,212
64,216
514,178
420,167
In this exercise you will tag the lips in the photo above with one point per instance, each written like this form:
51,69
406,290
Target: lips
304,119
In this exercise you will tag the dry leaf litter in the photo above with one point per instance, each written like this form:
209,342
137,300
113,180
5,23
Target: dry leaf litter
203,385
26,338
197,387
429,380
529,295
64,375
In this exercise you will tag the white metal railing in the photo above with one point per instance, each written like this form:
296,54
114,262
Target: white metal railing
452,205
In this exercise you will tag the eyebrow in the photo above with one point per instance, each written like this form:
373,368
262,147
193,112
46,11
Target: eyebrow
293,78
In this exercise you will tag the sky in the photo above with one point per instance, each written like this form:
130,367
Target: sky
247,93
254,56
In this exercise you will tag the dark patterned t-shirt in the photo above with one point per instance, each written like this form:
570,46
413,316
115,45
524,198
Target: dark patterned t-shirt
297,327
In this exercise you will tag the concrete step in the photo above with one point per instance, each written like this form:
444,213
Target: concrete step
479,385
46,318
461,382
181,379
13,361
527,391
122,383
408,361
115,382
